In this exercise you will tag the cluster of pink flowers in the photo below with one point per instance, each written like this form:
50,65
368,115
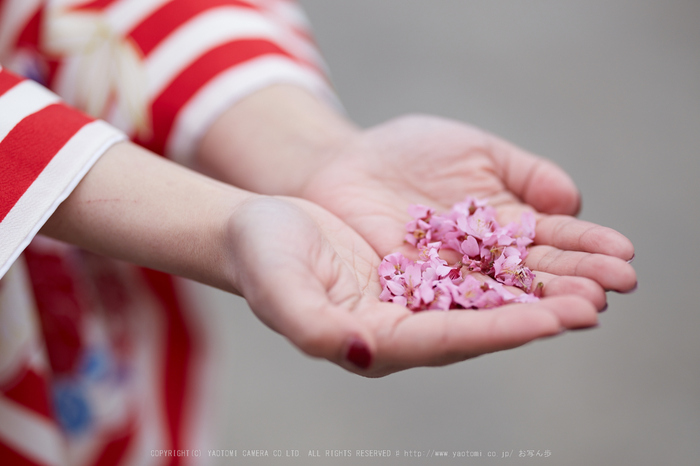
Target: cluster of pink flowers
470,229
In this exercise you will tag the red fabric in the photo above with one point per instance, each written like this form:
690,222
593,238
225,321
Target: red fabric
8,81
179,347
172,15
113,452
11,457
30,391
61,308
96,5
30,146
31,34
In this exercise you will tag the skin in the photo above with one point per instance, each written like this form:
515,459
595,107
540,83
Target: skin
331,200
368,178
313,279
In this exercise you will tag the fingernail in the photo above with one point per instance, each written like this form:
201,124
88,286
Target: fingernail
590,327
359,354
630,261
636,285
605,308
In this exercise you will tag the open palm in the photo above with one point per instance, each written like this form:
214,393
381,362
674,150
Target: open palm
370,182
310,277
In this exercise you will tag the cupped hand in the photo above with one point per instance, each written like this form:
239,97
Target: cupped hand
310,277
370,181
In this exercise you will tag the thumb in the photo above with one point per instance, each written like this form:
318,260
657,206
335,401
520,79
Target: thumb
300,309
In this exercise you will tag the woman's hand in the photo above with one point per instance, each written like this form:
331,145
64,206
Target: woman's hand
282,140
310,277
305,273
370,182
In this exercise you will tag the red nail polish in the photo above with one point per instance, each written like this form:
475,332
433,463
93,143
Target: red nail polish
582,329
359,354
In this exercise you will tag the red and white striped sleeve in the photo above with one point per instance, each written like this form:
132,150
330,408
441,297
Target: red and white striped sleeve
164,70
160,70
46,148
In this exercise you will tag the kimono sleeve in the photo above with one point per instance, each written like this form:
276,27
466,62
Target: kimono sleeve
46,147
163,71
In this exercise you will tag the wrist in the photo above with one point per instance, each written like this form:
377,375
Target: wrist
272,141
138,207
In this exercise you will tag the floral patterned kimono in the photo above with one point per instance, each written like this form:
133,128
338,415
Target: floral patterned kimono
98,357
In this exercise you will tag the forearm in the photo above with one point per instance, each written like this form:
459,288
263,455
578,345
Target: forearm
271,141
141,208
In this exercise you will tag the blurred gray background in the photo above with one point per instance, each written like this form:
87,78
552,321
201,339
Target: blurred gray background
610,90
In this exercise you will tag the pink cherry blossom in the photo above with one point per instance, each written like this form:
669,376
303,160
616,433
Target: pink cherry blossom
467,292
419,229
478,225
505,268
418,211
393,264
469,228
470,247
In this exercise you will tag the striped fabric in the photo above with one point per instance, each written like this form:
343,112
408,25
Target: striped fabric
99,361
160,70
46,148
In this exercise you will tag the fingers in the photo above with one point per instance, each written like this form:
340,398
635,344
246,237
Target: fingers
316,311
565,245
572,311
609,272
579,286
571,234
437,338
302,311
297,283
375,339
536,181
